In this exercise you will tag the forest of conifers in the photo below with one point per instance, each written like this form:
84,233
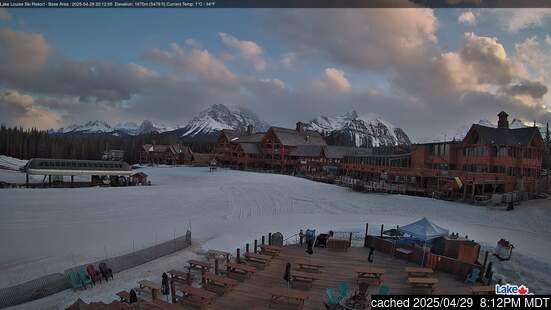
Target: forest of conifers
31,143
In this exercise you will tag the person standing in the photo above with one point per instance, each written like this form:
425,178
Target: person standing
301,237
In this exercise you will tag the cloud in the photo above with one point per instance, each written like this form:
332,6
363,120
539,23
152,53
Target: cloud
374,39
535,90
514,20
4,15
249,50
289,59
193,61
19,109
21,52
332,81
468,18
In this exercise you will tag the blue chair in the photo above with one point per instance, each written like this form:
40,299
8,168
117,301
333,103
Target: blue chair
343,290
332,300
384,289
473,276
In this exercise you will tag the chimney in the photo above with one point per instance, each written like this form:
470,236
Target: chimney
502,120
250,129
300,127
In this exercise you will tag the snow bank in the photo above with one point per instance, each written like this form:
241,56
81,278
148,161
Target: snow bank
47,230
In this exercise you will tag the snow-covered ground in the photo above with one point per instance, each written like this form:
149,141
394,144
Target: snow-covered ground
47,230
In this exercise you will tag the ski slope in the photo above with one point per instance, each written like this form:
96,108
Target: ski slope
47,230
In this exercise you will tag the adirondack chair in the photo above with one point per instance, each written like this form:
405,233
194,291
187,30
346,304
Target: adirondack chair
93,273
85,278
105,272
332,300
384,289
473,276
75,281
343,290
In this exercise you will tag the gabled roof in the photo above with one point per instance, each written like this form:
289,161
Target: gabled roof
338,152
257,138
155,148
291,137
250,148
504,136
306,151
230,134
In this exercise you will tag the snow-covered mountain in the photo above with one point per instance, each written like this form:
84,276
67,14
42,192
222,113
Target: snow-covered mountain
217,117
352,129
101,127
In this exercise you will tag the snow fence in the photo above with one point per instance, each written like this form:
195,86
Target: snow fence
57,282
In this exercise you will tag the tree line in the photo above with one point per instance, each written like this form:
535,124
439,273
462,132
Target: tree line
32,143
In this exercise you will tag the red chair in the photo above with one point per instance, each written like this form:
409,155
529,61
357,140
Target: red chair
93,273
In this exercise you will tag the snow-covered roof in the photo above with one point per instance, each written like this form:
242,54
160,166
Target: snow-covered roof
292,137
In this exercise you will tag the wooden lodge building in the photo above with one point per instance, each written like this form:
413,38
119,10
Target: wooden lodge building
488,160
157,154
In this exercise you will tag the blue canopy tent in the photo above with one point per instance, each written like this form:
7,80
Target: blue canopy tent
423,230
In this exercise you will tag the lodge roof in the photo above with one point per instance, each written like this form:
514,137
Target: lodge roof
250,147
230,134
36,164
257,138
337,152
292,137
505,136
306,151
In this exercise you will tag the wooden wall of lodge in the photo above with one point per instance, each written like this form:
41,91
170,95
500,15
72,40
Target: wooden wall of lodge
276,154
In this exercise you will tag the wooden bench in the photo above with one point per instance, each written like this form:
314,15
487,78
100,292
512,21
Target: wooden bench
195,264
370,275
483,290
309,267
240,269
288,297
419,271
154,287
304,278
214,281
197,297
429,283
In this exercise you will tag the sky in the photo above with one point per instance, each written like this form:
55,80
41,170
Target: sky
424,70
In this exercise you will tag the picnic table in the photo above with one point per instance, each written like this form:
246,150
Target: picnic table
303,277
258,258
154,287
423,282
196,296
419,271
370,273
179,275
308,266
216,254
211,279
242,269
270,250
483,289
196,264
288,296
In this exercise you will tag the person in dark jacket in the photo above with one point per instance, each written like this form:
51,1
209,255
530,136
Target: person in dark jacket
165,286
133,297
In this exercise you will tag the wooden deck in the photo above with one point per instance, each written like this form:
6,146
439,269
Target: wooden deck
338,266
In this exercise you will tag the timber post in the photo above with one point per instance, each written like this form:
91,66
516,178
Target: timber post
366,234
215,265
238,256
173,289
382,229
247,248
255,246
262,241
350,239
269,238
